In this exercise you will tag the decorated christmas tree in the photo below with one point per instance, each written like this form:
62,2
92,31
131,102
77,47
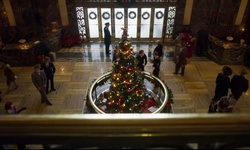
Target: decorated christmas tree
127,93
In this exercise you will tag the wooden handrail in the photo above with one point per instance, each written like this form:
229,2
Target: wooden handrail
138,130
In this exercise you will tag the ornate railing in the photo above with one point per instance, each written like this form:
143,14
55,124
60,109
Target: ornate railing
160,94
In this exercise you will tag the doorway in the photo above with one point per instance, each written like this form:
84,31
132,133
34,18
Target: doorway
143,24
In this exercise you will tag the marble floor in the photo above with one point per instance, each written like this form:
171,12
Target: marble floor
78,66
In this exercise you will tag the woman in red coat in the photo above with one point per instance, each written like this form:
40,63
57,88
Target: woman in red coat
190,46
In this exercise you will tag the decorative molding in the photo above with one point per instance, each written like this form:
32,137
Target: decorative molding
241,12
63,12
9,11
188,12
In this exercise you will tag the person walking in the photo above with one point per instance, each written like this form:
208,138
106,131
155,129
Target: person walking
49,70
107,38
142,60
39,80
158,49
177,42
10,77
222,83
221,89
181,60
239,84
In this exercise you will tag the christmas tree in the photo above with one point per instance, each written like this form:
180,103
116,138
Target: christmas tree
127,93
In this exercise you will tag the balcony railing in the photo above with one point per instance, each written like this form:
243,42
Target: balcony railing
215,131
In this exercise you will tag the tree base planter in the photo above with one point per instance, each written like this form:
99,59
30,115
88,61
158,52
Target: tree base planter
158,90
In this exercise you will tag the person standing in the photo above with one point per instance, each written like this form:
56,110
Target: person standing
142,60
158,49
239,84
49,70
107,38
221,89
39,80
181,60
202,40
10,77
44,47
190,46
156,64
177,42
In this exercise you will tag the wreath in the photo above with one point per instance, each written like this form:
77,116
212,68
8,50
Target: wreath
132,15
119,15
145,15
106,15
92,15
159,15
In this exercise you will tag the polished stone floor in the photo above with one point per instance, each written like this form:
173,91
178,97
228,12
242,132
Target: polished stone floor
78,66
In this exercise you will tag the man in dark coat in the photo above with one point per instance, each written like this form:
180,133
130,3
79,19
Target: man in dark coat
44,47
107,38
49,70
202,40
39,80
222,83
158,49
156,64
239,84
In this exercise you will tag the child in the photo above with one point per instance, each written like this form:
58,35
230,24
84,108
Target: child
142,60
226,103
156,64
